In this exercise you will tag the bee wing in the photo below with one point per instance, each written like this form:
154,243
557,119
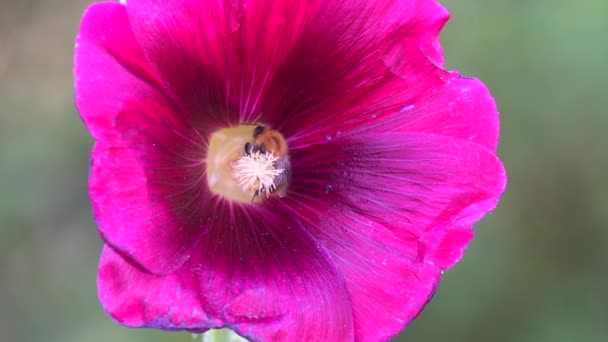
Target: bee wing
280,181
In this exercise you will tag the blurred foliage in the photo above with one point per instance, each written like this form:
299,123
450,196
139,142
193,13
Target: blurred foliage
535,272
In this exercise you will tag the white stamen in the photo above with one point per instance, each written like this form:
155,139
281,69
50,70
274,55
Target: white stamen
256,171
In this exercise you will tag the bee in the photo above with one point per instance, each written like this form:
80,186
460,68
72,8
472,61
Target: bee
268,140
272,141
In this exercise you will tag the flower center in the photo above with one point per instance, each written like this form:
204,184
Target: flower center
256,171
248,163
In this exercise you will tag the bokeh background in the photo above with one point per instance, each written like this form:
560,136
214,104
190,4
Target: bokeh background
536,271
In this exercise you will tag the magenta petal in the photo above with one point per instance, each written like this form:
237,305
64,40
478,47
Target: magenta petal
182,40
257,271
416,34
263,274
145,203
216,56
387,287
110,69
138,299
429,43
398,205
459,107
357,62
148,164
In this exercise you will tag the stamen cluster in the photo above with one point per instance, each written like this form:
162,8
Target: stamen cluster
256,172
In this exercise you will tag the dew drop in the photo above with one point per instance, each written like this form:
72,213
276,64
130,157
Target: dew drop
329,189
327,137
407,107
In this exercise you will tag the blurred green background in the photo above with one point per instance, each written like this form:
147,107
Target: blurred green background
536,271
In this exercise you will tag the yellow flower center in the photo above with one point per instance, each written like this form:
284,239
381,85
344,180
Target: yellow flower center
242,168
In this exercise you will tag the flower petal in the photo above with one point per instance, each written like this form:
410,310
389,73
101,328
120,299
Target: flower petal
460,107
257,272
217,56
263,273
399,206
356,60
110,69
136,298
146,192
416,26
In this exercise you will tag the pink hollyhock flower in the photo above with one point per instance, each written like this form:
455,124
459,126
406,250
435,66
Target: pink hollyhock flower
295,170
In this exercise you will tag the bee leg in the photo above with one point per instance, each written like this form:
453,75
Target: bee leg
255,195
258,130
248,148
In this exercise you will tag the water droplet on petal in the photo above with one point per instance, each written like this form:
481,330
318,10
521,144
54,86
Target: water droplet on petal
407,107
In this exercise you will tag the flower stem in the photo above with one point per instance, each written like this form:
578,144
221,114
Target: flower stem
220,335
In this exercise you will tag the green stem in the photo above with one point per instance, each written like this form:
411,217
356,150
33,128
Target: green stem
221,335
